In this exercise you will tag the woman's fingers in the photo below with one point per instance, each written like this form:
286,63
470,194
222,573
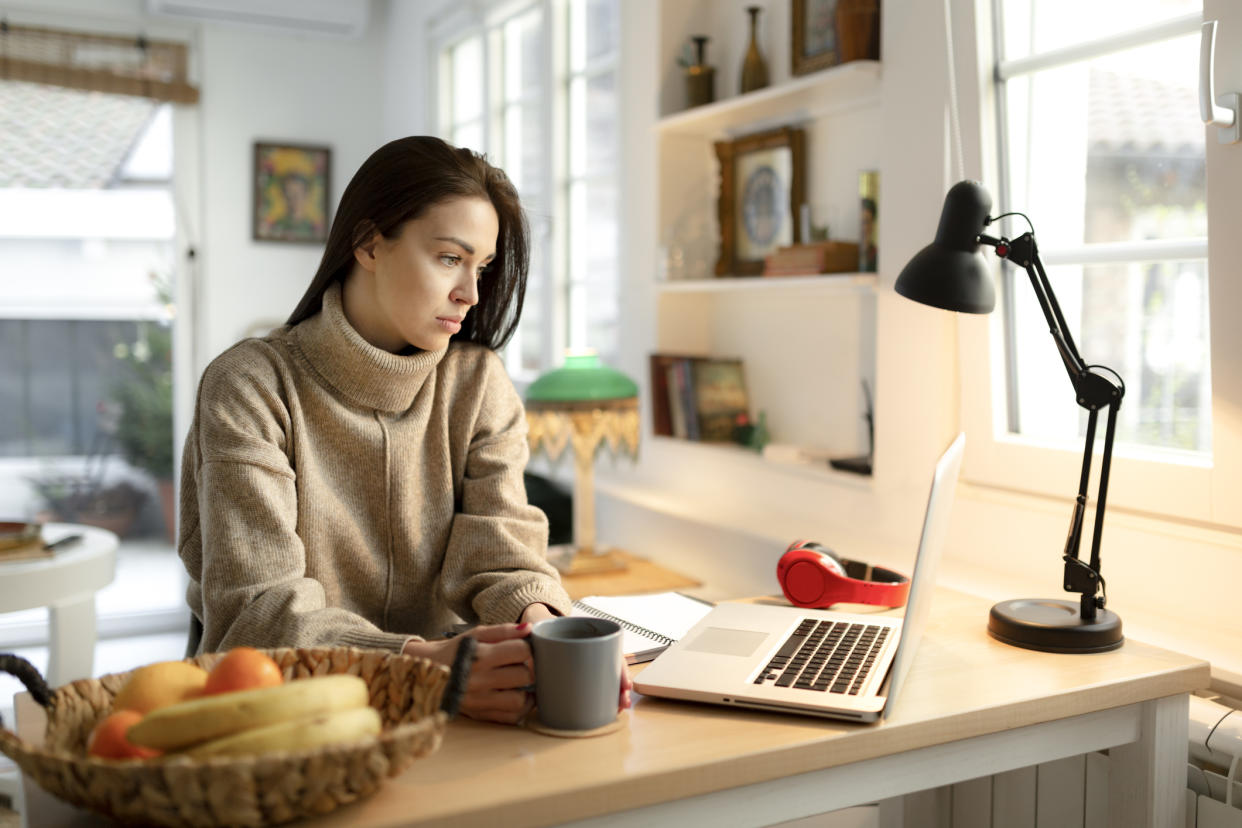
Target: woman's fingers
495,633
509,677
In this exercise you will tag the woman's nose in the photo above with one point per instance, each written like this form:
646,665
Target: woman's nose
467,292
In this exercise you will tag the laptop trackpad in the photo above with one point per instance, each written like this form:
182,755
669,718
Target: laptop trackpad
721,641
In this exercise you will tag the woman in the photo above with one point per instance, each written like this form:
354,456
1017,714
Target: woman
355,478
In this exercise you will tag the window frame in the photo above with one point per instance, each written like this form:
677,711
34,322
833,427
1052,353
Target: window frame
1183,486
563,304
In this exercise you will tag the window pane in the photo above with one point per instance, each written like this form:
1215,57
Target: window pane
1032,27
469,135
526,153
1148,322
593,266
593,125
1125,161
525,52
467,80
52,397
593,28
535,327
600,255
602,124
15,424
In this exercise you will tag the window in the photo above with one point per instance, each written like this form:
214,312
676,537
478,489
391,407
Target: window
1116,190
534,87
1100,143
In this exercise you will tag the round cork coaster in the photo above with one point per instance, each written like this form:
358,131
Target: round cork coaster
532,723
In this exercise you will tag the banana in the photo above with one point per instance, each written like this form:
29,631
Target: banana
187,723
296,734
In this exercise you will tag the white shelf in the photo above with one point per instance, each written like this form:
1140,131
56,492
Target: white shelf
749,459
829,282
852,84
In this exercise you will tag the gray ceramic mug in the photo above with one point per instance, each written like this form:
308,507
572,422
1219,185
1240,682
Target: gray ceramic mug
577,672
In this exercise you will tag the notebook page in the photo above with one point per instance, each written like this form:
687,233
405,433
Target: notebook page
667,614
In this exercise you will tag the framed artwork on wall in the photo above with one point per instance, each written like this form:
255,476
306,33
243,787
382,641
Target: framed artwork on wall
291,192
761,188
814,43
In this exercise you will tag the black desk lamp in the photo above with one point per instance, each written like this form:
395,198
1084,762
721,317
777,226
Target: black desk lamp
950,273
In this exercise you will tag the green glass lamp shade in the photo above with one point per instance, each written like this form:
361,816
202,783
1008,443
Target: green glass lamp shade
583,378
950,273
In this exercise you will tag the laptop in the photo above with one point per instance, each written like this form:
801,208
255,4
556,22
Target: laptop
813,662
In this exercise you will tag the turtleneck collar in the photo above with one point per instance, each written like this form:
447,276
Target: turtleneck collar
367,375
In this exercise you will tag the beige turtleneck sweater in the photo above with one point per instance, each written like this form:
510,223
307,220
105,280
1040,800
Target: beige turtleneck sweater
336,494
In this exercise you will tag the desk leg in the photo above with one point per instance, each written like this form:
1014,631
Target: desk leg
1147,778
71,644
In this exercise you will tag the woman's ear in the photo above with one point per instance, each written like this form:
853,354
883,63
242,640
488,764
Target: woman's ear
367,237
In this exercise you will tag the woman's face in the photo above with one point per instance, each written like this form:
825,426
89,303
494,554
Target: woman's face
416,289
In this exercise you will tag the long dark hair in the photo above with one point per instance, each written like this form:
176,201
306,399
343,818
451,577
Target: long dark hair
399,182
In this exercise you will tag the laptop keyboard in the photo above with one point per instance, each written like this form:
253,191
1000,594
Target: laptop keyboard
828,656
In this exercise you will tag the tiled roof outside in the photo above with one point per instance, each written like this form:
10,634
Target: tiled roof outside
1141,116
55,137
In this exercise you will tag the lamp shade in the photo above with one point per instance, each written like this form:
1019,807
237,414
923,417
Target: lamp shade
583,378
950,273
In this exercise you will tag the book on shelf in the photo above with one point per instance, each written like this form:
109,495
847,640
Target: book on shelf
698,398
649,623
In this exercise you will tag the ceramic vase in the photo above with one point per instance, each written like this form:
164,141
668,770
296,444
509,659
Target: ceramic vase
700,78
754,67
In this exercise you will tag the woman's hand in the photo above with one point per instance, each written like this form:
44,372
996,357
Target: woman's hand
538,612
497,690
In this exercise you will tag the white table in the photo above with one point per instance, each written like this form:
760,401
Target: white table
65,583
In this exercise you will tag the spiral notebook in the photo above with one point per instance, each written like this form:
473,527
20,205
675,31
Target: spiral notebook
649,623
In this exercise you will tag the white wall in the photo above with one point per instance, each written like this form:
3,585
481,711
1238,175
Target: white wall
255,85
727,520
270,87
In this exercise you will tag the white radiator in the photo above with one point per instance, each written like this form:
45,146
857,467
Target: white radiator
1073,792
1215,796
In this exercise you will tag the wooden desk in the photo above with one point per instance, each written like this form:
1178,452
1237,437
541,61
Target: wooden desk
640,575
971,707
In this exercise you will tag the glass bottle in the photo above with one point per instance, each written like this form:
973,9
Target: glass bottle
754,67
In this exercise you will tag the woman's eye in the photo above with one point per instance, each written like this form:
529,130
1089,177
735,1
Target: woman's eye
449,259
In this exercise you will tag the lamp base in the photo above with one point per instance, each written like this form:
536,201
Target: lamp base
1054,626
570,560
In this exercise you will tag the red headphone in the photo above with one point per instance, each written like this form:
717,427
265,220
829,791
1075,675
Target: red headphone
814,576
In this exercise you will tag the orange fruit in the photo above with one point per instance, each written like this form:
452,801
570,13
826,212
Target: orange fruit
158,685
243,668
108,740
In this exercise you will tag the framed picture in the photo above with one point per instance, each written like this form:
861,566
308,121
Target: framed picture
291,192
814,44
761,188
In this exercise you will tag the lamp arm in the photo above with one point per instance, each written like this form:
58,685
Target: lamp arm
1095,387
1025,253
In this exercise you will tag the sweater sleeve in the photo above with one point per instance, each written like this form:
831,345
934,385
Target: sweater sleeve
254,589
496,561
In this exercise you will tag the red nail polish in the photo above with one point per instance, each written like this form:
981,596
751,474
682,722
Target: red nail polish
524,626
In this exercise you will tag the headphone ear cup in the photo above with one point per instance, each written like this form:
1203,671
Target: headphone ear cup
830,558
806,572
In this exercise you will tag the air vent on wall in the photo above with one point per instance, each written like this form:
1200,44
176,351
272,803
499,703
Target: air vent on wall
331,18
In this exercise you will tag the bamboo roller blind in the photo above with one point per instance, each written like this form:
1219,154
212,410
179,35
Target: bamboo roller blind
96,63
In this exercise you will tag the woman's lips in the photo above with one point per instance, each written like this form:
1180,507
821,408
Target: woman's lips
449,323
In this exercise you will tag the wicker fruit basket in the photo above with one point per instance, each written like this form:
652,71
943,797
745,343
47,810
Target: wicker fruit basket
415,698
